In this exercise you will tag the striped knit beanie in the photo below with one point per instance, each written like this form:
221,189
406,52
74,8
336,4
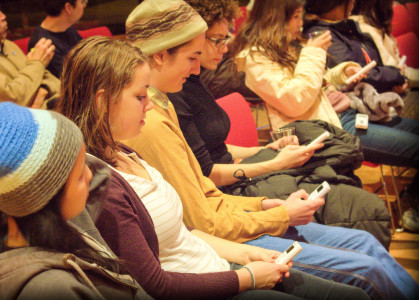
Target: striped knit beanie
157,25
38,149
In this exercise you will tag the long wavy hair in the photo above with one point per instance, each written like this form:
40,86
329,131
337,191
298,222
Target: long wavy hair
96,63
266,29
377,13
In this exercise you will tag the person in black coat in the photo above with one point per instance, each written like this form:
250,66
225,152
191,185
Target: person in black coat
350,44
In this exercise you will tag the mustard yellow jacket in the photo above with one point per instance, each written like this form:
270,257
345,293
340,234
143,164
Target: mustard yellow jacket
236,218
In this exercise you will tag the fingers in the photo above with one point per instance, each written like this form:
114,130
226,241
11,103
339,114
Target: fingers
318,202
293,140
314,147
300,194
283,268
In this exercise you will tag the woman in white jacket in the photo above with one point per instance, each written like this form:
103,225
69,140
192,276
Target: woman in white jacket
287,75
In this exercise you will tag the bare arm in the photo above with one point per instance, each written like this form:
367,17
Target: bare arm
238,152
238,253
291,156
260,261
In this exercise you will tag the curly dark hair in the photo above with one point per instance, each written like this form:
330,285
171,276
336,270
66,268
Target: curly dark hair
213,11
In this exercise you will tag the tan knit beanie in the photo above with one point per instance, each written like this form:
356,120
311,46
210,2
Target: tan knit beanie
157,25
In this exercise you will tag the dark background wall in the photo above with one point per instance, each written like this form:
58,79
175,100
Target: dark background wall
24,15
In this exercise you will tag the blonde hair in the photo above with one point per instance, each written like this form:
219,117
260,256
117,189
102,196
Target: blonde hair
96,63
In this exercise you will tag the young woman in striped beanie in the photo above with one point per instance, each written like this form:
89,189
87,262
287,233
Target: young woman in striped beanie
44,182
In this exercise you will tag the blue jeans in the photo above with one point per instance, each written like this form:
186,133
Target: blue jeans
348,256
394,143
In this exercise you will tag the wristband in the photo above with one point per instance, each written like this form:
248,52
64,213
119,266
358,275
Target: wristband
252,287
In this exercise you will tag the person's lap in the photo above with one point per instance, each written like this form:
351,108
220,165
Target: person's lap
346,205
301,285
393,143
345,255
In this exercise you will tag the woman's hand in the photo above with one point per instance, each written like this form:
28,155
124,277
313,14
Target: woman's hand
268,274
293,156
322,41
402,69
352,70
254,253
39,98
300,211
284,141
400,89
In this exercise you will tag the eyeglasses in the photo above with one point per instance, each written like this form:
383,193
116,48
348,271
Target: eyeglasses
219,42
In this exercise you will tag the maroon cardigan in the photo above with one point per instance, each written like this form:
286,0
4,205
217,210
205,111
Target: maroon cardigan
128,229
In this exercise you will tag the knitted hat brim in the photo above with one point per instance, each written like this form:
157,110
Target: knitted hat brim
157,25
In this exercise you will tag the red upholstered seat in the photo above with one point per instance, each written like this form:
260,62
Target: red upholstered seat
241,19
401,21
23,44
243,131
102,31
409,46
413,11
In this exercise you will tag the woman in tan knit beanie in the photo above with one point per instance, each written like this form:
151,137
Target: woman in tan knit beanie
105,93
331,251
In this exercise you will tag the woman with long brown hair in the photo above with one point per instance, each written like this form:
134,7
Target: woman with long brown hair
105,86
342,254
395,141
287,75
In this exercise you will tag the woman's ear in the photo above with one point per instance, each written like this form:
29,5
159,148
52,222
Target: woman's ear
15,238
100,101
160,57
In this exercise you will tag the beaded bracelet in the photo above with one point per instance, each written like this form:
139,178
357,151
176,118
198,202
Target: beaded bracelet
252,287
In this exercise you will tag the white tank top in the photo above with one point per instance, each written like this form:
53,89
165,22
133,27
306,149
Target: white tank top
180,251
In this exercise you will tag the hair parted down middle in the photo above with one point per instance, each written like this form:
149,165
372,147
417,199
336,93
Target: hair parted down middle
96,63
266,30
213,11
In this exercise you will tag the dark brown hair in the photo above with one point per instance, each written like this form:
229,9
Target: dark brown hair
213,11
319,7
377,13
96,63
54,8
266,29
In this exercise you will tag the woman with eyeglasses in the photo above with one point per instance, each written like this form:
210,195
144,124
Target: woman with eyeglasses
340,254
105,85
205,126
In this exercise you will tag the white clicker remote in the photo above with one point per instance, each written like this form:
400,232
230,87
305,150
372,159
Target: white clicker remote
362,71
402,61
319,139
289,254
361,121
322,190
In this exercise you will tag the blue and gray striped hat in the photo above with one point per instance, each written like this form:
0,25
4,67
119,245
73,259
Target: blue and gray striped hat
38,149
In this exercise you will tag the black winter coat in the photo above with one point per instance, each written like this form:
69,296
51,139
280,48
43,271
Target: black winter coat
348,43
